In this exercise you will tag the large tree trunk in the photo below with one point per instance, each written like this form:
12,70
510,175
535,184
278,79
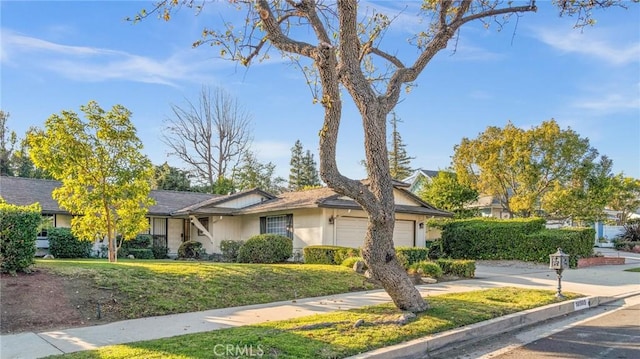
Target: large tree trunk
379,254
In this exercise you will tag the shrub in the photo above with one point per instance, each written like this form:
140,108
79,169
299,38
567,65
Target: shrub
159,251
18,236
426,268
625,245
63,244
266,248
328,254
230,250
142,253
487,238
435,249
141,241
190,249
349,262
458,267
410,255
630,232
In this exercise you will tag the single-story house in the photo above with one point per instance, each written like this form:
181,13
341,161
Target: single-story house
312,217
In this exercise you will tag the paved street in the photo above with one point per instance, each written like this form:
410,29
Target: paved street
611,331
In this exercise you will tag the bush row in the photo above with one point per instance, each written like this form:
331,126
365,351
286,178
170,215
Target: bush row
18,236
525,240
263,248
328,254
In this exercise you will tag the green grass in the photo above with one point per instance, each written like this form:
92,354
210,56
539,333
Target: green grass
149,288
633,270
333,335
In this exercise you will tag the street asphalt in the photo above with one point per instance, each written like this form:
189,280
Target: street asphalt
601,284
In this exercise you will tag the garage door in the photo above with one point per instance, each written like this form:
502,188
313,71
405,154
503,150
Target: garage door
350,232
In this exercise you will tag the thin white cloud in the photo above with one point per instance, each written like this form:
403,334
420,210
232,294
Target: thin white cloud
596,45
612,102
92,64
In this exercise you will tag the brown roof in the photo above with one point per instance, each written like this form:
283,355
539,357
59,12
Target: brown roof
25,191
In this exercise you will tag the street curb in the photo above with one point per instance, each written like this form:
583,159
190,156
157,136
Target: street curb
423,346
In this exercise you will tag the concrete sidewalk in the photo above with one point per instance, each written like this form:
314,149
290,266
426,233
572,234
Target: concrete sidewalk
597,282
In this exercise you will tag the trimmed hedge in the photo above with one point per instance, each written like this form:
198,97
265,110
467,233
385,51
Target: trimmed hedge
349,262
458,267
18,235
328,254
63,244
520,239
577,243
142,253
266,248
427,268
410,255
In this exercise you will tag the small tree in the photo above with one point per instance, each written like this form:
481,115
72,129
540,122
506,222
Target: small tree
445,192
625,196
105,178
399,160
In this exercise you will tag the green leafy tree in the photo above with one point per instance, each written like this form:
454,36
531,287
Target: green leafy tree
584,196
445,192
171,178
104,175
399,160
23,165
625,196
520,166
341,49
253,174
8,140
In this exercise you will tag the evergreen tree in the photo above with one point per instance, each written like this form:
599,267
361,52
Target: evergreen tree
399,161
253,174
171,178
296,167
7,142
310,176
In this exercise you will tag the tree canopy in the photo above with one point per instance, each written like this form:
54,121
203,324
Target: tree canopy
445,192
341,49
105,177
210,136
251,173
303,171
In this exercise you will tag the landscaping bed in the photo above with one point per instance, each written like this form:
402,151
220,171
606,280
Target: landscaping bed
71,293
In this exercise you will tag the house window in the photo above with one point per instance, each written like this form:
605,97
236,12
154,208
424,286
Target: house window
205,223
282,225
48,221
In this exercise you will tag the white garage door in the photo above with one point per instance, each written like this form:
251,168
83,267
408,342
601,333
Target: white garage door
350,232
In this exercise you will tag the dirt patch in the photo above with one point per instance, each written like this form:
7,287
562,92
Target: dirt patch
42,301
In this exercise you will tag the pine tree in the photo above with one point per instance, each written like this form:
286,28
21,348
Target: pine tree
399,161
296,171
309,171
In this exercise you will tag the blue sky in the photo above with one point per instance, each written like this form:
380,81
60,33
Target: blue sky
58,55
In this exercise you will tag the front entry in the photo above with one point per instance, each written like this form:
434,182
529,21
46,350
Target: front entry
186,230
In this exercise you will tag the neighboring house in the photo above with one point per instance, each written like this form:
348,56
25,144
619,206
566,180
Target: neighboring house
489,206
313,217
417,177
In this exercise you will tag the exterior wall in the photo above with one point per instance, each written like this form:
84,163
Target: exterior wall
222,228
403,199
174,235
243,201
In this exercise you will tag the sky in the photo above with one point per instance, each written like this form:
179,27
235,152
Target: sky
59,55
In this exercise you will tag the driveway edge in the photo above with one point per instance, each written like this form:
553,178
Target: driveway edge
423,346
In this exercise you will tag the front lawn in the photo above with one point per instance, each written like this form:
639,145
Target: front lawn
334,335
145,288
633,270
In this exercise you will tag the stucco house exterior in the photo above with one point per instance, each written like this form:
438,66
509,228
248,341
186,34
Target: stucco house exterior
313,217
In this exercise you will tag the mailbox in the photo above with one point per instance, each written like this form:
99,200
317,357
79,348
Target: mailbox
559,260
